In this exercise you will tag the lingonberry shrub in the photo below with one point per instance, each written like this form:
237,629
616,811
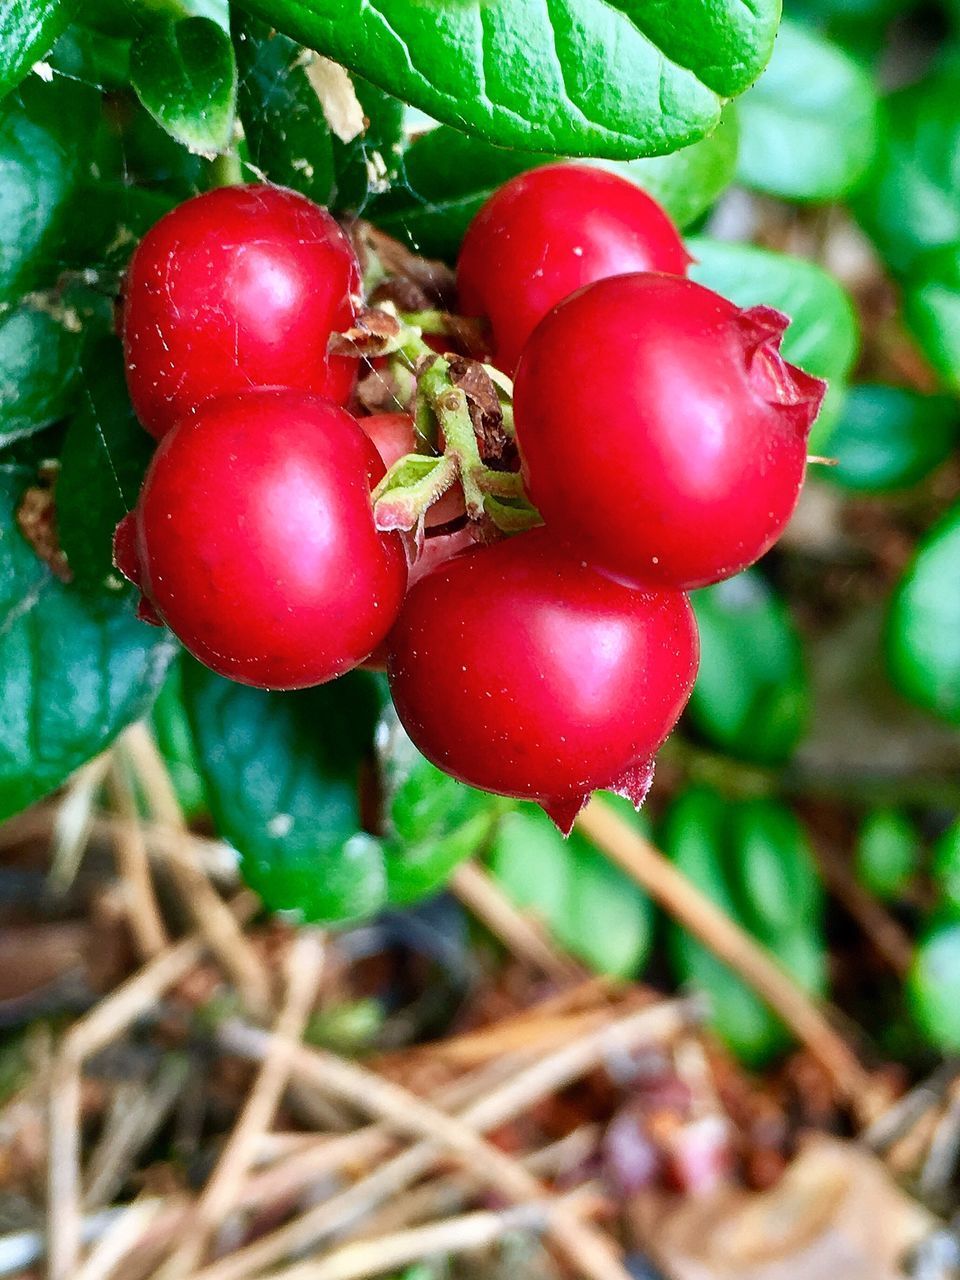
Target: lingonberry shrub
236,289
254,541
673,447
520,669
545,234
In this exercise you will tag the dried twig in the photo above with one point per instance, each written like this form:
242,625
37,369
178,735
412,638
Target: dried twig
224,937
749,960
73,820
524,937
303,970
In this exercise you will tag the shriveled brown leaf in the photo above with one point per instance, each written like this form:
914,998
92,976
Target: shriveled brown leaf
486,413
37,520
429,284
835,1213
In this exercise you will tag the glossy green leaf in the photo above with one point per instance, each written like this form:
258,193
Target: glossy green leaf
104,457
174,738
91,56
288,135
46,139
40,348
824,335
574,77
28,29
933,987
74,670
751,697
889,438
931,305
752,860
809,126
923,629
281,775
888,852
588,904
431,822
185,75
946,868
911,204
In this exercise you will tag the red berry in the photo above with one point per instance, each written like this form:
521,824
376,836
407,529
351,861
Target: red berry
237,289
661,430
547,233
520,670
255,540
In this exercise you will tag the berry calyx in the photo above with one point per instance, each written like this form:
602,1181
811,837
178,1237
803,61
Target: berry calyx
673,446
549,232
235,290
254,540
520,669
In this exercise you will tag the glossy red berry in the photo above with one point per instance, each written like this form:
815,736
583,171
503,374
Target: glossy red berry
233,290
254,540
661,430
549,232
521,670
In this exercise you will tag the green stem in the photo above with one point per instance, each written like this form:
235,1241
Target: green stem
225,170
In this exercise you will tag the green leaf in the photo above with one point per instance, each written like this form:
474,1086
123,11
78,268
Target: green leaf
28,29
888,852
46,138
281,775
174,738
809,126
431,822
824,336
287,132
911,204
74,671
946,868
88,55
40,349
588,904
751,697
185,75
752,860
105,454
931,308
923,629
611,78
889,438
687,182
933,987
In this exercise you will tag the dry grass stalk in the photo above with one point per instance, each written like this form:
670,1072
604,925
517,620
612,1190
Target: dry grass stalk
99,1027
481,894
304,967
726,939
220,929
143,913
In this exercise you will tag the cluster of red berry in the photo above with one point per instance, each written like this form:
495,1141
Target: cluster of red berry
661,436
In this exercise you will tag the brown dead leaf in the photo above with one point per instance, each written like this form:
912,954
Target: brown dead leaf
37,520
835,1213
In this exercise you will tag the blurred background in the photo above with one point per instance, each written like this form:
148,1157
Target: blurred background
646,1075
